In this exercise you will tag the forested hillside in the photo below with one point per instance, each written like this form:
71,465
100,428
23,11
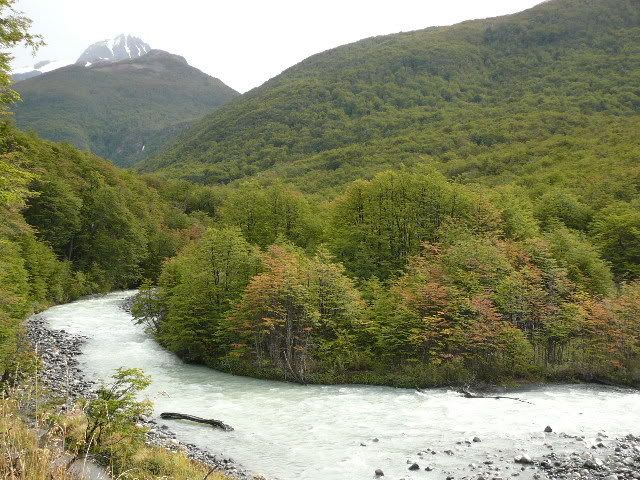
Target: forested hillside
73,224
123,111
536,95
450,205
446,206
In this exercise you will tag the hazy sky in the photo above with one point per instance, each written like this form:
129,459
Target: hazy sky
242,42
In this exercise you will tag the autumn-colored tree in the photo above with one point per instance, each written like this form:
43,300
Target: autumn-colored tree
298,316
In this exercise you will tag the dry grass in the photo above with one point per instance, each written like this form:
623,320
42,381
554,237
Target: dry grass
26,455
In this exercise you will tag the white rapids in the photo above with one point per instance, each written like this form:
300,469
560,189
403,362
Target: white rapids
293,432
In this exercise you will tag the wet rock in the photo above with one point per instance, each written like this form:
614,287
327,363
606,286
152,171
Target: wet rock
548,429
379,473
476,439
414,466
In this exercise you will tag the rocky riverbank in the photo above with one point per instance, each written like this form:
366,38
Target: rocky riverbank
569,458
62,376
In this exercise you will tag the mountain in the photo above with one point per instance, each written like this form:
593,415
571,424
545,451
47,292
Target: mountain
497,99
122,110
122,47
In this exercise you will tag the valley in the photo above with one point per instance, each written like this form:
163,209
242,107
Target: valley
412,256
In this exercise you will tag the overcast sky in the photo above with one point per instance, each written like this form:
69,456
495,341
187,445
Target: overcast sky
242,42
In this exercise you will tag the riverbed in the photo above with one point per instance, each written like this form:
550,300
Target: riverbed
294,432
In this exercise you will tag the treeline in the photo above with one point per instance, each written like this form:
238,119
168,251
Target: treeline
72,224
406,279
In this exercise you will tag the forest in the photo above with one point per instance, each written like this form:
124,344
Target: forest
406,279
451,205
446,219
73,224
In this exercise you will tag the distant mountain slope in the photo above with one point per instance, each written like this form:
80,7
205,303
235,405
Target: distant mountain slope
123,110
479,99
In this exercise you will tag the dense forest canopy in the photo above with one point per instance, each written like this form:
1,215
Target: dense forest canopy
407,279
73,224
530,96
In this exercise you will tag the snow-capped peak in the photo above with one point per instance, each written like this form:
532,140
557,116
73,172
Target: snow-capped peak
122,47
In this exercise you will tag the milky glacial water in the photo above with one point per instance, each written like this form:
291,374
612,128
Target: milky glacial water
295,432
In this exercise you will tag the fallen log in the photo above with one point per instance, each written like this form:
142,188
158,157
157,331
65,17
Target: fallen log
208,421
467,394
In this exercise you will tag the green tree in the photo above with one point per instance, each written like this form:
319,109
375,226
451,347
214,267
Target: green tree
265,214
198,287
617,233
378,224
113,414
14,31
580,258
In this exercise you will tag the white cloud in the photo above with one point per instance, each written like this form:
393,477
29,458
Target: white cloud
243,42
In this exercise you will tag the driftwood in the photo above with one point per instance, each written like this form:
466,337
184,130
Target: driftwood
467,394
182,416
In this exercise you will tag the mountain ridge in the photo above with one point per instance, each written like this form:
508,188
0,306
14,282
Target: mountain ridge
121,110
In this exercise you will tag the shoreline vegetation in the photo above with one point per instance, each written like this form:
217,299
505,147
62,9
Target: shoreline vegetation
411,280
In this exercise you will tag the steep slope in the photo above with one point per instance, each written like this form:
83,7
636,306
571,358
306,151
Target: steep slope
482,99
72,224
122,110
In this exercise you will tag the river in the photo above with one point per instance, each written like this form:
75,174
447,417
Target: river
294,432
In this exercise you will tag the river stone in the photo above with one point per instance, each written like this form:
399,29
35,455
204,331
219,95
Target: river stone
524,459
414,466
379,473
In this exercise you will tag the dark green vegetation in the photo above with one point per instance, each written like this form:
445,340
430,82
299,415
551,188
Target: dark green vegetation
121,111
503,246
548,94
452,205
72,224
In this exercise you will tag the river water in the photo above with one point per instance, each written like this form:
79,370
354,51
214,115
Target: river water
293,432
